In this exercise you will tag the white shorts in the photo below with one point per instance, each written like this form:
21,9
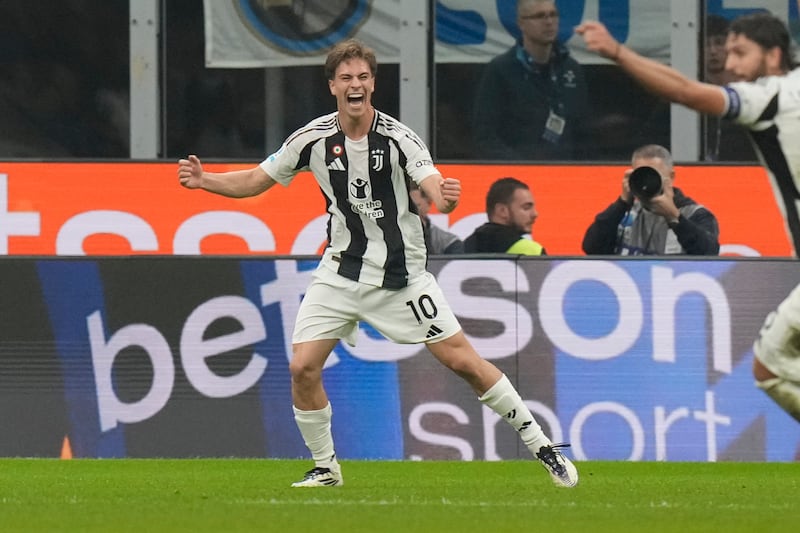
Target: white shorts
333,305
778,343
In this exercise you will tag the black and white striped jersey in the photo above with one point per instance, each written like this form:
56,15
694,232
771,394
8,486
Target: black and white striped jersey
770,109
374,233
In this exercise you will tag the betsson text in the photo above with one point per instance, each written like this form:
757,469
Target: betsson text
515,315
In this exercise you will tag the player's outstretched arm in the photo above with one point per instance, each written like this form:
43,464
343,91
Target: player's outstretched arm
235,184
657,78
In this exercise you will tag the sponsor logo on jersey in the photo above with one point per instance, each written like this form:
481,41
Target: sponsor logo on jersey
359,189
371,209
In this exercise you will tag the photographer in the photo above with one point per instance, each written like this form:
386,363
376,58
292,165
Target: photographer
651,217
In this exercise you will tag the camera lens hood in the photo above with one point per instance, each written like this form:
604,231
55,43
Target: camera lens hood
645,183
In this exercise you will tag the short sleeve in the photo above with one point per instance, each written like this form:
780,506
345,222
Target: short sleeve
748,101
419,163
281,165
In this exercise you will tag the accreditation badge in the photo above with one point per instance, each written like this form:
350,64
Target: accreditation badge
554,127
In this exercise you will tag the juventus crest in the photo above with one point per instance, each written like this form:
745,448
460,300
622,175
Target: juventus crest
376,157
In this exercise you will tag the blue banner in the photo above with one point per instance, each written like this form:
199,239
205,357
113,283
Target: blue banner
627,359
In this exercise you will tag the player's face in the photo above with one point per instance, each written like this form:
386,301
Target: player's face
353,85
522,210
747,60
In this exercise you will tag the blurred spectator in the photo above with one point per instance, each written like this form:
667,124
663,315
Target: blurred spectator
437,240
724,141
716,33
531,102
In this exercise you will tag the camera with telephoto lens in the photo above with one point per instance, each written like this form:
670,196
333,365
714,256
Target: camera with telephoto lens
645,183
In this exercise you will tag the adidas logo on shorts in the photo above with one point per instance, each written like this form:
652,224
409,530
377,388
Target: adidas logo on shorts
433,332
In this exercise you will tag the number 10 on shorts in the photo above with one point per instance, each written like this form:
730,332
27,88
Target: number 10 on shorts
424,305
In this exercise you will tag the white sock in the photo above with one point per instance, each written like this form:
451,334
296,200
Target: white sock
504,400
785,393
315,427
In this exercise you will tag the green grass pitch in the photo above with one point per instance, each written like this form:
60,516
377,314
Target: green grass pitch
222,495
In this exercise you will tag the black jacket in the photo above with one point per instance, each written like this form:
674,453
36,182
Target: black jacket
624,229
513,102
492,238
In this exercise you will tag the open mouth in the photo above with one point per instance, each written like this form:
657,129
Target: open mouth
355,98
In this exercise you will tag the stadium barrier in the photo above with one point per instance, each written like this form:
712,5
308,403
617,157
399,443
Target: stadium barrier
138,208
168,356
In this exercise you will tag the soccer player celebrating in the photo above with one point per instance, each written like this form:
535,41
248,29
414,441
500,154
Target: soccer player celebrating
373,268
765,99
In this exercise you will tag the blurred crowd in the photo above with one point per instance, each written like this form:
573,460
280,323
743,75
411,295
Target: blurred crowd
64,93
